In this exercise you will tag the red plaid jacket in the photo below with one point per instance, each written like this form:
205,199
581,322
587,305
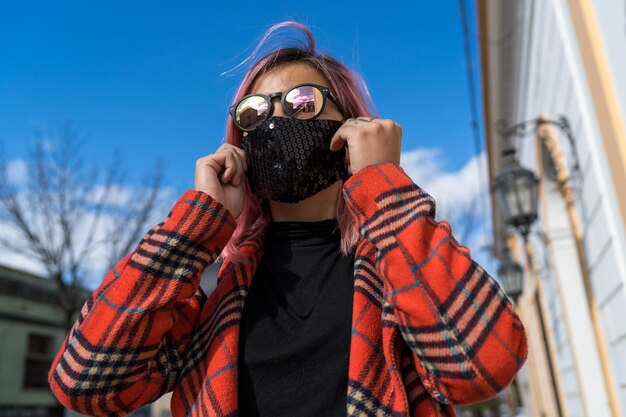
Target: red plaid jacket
430,328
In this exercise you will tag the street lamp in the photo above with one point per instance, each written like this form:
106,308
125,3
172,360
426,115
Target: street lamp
516,193
515,190
516,187
510,272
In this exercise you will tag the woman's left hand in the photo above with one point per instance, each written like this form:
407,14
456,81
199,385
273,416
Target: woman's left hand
368,142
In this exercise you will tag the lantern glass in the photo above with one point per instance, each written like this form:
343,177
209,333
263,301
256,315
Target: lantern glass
511,274
516,194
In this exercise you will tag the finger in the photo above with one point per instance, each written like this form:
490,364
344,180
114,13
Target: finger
206,168
368,121
243,157
384,122
359,121
339,138
222,147
226,157
235,175
214,160
336,142
343,135
230,166
238,150
212,164
377,119
219,156
362,126
239,174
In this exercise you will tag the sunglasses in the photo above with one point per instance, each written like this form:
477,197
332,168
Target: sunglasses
303,101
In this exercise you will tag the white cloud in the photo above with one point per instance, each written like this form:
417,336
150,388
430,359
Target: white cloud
118,195
17,171
122,197
17,261
450,189
422,164
456,192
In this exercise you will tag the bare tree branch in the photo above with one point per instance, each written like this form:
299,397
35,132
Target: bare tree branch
148,196
65,214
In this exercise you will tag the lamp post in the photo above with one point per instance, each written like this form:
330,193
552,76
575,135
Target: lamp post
515,190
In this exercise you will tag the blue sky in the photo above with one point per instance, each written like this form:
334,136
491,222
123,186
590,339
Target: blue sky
144,77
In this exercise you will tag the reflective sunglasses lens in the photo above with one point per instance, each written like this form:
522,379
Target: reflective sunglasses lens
251,112
304,102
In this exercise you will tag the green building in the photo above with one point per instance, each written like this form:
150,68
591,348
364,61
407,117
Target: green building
31,331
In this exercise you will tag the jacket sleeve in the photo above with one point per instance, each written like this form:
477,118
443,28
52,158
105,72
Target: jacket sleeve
467,341
131,337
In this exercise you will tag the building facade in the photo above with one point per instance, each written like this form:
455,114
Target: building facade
560,67
31,330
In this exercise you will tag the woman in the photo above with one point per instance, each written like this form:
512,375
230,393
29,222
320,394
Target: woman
339,292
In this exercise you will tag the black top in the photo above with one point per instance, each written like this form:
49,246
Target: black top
294,341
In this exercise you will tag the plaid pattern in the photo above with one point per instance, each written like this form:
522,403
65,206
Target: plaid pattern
430,328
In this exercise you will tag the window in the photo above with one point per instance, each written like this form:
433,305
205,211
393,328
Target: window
38,361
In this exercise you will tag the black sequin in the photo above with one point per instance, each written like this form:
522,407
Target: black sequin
290,159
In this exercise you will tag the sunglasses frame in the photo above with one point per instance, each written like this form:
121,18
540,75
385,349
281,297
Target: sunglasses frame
269,100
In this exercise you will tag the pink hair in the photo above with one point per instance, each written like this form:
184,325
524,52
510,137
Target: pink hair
351,92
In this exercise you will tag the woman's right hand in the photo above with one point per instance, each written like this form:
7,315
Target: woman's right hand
222,175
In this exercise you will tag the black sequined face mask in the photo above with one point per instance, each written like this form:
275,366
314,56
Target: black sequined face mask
290,159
